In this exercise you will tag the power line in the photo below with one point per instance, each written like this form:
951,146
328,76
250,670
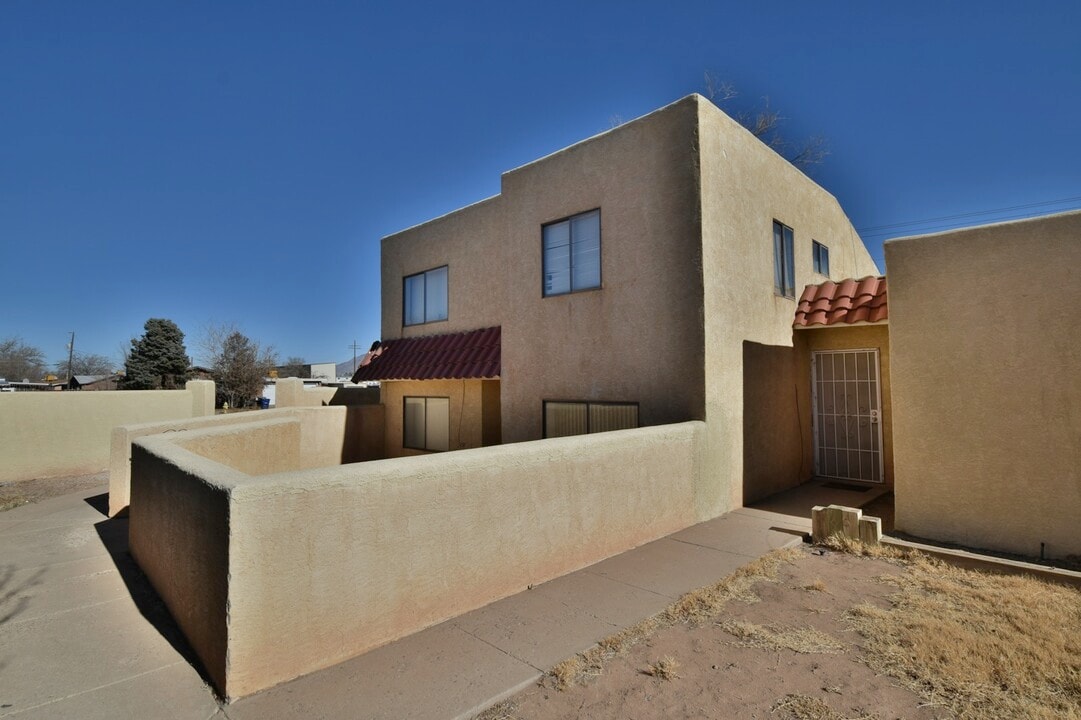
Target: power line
876,229
954,226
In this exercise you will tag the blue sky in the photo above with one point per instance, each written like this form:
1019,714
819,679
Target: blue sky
238,162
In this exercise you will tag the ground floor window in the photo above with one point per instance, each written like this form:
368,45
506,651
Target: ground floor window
562,418
426,423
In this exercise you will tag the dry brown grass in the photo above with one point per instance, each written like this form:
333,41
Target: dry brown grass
801,640
817,585
696,606
667,668
980,645
805,707
840,543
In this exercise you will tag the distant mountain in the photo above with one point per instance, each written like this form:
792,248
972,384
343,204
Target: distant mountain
345,369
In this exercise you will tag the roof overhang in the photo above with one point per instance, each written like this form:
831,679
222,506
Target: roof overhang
471,355
848,303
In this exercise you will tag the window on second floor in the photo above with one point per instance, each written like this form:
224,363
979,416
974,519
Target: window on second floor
572,254
821,258
784,264
425,297
578,418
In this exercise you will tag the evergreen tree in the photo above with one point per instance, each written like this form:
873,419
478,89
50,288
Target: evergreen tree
158,360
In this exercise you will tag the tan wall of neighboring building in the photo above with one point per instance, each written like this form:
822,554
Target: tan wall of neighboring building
317,566
984,330
69,433
745,187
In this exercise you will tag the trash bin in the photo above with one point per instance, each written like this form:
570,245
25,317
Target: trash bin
264,403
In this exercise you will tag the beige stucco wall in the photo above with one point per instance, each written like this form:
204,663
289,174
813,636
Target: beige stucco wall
984,333
327,436
320,565
744,188
68,433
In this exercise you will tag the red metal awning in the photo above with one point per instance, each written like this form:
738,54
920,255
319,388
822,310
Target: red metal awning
465,355
848,302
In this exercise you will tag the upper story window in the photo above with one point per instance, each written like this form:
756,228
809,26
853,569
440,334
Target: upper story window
425,297
821,258
784,264
572,254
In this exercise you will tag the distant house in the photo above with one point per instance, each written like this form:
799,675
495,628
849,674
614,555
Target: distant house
94,382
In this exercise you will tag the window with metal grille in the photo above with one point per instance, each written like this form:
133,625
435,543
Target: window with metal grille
562,418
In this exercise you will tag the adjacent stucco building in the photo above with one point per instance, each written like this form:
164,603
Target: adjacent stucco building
986,363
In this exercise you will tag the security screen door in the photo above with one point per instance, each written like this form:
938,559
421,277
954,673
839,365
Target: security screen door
847,415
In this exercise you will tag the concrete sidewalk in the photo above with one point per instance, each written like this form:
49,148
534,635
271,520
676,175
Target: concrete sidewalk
83,635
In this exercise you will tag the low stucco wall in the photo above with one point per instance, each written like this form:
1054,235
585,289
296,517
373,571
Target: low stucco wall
68,433
292,392
985,350
322,565
326,436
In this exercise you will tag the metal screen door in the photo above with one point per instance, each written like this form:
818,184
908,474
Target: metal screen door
847,415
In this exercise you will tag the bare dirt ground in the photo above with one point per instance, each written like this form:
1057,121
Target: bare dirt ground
825,636
20,492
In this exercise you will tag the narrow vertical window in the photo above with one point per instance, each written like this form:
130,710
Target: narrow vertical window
821,258
424,297
572,254
784,263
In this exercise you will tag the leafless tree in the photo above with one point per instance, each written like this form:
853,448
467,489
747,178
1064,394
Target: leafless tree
764,122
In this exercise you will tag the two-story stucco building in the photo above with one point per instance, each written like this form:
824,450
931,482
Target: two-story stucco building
624,281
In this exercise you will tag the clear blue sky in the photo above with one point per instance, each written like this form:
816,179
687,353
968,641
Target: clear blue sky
239,161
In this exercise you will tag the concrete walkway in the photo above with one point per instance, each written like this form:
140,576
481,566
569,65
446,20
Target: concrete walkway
83,635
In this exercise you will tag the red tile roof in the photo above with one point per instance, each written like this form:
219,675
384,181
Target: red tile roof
849,302
473,354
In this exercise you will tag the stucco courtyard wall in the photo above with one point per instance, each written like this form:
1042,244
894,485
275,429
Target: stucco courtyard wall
68,433
328,436
985,349
320,565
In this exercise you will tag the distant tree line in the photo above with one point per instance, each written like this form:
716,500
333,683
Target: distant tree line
158,360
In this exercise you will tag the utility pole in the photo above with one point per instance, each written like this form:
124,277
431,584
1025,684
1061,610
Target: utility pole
71,354
354,346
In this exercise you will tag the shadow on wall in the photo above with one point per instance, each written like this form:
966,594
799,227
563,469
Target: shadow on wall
776,426
354,396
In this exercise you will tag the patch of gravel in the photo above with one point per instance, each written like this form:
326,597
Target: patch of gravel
23,492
